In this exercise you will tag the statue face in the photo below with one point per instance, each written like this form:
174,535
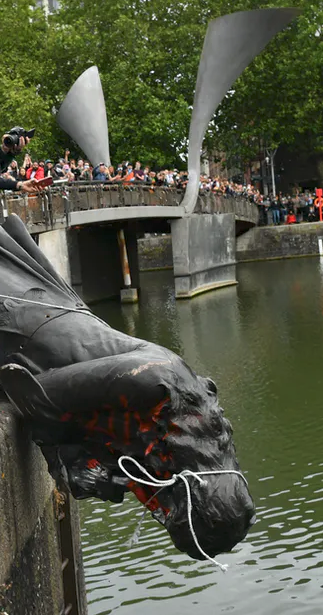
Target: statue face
200,439
162,414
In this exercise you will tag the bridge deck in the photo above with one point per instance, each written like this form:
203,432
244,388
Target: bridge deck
80,204
112,214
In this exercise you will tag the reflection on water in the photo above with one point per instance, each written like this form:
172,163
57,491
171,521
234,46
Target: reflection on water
262,342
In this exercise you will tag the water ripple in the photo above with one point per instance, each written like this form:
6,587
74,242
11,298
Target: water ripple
262,342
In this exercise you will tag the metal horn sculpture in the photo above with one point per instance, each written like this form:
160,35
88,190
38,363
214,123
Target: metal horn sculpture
83,116
231,42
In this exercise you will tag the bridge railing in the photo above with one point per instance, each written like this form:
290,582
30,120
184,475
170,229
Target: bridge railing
97,195
51,209
244,210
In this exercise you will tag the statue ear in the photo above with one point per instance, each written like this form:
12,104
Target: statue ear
211,386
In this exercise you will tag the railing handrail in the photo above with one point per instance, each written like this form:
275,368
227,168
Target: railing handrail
53,206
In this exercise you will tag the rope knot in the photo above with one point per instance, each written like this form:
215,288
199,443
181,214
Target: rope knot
196,476
162,484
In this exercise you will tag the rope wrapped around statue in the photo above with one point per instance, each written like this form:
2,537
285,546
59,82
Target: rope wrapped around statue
94,396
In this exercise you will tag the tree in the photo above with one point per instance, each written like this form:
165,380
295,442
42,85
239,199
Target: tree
148,53
278,97
23,31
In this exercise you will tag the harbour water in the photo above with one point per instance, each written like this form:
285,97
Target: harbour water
262,342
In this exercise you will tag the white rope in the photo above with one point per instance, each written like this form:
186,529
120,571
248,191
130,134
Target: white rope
50,305
156,482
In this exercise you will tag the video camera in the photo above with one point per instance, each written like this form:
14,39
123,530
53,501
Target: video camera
13,136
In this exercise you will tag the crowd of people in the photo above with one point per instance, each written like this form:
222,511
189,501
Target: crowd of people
281,209
288,210
81,170
273,210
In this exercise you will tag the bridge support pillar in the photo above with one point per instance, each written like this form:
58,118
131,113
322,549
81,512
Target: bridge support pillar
203,253
127,294
96,265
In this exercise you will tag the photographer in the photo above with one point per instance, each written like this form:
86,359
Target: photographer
12,144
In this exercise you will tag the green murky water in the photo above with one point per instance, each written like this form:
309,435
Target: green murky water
262,342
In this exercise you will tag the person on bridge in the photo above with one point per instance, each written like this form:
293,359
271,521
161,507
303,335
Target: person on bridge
35,172
22,175
10,148
138,172
13,169
49,169
275,208
7,154
99,173
130,176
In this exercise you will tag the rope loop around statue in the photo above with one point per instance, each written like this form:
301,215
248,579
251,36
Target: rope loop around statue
183,476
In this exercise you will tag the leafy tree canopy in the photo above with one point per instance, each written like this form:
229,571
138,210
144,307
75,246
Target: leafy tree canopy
278,97
148,52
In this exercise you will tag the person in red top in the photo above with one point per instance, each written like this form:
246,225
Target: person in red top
35,171
291,218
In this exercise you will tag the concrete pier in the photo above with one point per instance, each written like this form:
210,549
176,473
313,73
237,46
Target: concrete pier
55,245
203,253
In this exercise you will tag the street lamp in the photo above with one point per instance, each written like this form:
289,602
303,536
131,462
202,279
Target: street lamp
270,155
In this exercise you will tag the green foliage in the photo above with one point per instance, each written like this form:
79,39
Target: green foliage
278,97
148,52
23,33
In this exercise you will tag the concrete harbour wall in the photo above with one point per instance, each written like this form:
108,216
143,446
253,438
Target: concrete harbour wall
259,243
155,253
30,559
286,241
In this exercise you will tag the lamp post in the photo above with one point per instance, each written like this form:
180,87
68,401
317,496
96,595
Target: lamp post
270,155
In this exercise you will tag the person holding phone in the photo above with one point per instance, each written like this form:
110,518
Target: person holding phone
25,186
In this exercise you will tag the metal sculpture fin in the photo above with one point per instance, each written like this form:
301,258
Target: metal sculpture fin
230,43
83,116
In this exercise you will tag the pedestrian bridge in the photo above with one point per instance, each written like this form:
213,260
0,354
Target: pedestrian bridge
76,205
89,232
